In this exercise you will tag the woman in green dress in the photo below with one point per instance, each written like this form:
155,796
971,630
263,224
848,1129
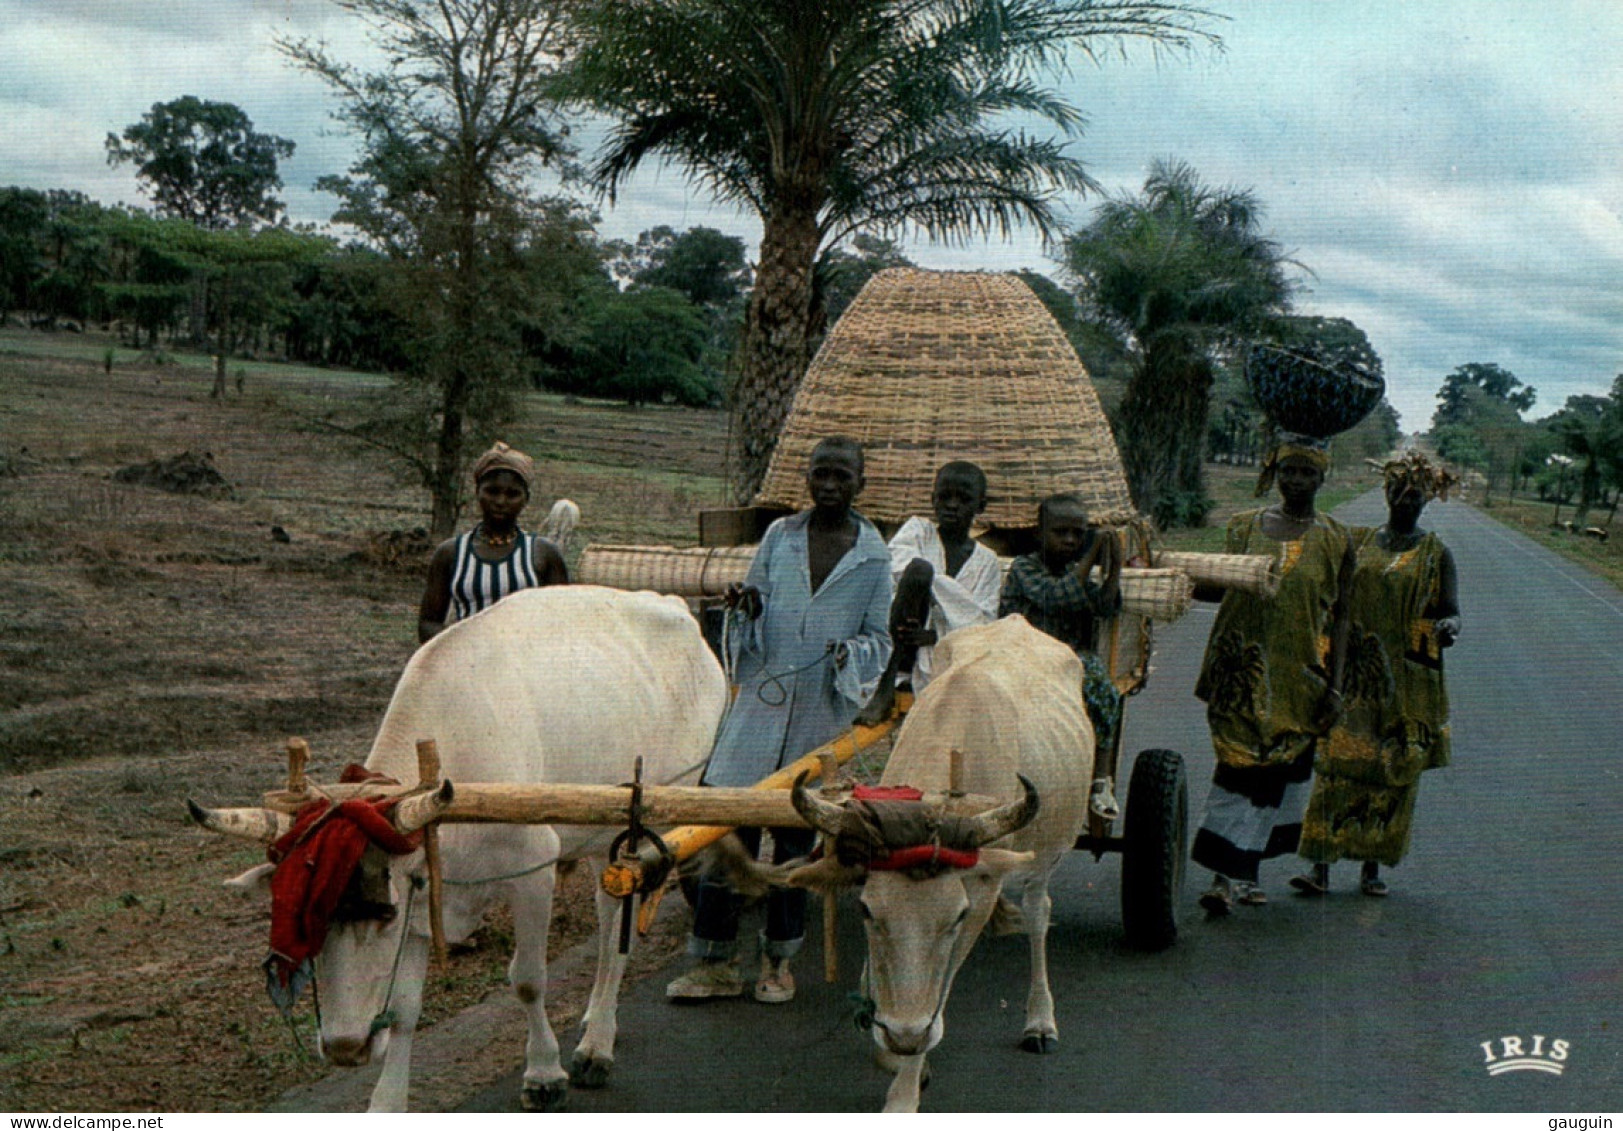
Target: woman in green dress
1271,677
1394,725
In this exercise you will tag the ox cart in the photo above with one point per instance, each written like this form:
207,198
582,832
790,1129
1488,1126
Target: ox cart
927,367
923,368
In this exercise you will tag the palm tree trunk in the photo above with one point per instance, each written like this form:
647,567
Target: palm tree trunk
1163,423
1194,405
775,338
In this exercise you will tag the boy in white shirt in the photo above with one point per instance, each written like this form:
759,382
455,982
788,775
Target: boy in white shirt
944,579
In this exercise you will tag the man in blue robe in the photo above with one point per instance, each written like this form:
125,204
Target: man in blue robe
814,641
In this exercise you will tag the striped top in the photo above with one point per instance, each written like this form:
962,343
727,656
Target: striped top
477,584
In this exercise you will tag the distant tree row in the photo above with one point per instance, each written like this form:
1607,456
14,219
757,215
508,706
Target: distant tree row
1574,455
67,262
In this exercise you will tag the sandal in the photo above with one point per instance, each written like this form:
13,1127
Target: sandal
1216,901
1374,886
1308,884
1251,896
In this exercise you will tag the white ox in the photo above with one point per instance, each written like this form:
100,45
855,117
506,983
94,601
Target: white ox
1009,698
561,684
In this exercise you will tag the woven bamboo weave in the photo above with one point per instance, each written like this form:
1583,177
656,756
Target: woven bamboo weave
1161,594
1251,573
928,366
686,572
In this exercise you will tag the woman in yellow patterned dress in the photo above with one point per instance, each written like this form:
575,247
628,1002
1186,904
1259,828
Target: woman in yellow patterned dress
1271,677
1394,724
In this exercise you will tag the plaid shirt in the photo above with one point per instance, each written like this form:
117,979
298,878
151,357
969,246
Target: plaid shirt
1062,605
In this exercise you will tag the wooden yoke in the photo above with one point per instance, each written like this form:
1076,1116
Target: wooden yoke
428,776
628,874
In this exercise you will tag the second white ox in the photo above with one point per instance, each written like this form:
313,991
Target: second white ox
1009,698
561,684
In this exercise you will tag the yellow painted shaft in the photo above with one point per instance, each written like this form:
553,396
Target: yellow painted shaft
690,839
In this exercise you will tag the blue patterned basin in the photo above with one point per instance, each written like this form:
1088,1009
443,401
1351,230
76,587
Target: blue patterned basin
1303,394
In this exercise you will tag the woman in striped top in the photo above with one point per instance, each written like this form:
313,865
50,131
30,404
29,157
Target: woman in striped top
475,570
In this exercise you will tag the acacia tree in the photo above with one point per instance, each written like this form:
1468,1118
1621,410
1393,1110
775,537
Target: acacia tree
1455,400
829,118
1478,421
1180,272
462,112
204,162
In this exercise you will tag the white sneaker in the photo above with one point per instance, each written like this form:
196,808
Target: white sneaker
706,980
776,984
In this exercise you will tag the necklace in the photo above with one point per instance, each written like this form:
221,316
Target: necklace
498,540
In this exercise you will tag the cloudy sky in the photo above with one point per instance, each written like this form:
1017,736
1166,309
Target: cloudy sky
1450,170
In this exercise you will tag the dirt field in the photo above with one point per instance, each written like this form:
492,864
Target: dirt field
155,646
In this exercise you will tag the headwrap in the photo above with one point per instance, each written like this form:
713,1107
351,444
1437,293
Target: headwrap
503,458
1413,469
1291,445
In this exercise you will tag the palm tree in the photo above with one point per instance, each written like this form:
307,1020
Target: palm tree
1180,272
832,117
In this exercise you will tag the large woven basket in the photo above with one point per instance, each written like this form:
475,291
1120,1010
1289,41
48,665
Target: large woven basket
930,366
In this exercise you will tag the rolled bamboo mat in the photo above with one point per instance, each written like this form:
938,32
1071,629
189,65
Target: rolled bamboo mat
1251,573
695,571
1161,594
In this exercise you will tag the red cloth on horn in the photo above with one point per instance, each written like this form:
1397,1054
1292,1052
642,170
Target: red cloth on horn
886,793
314,862
923,856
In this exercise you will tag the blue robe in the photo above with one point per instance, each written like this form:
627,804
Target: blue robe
791,699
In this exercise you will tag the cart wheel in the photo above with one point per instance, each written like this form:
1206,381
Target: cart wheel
1154,849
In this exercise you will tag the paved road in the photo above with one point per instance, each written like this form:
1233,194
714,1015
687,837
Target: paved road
1505,920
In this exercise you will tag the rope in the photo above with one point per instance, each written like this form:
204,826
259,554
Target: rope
386,1016
781,677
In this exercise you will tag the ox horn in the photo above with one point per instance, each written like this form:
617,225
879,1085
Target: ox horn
821,815
422,809
1005,819
264,825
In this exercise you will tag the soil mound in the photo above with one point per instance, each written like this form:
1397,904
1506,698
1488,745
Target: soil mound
185,474
395,549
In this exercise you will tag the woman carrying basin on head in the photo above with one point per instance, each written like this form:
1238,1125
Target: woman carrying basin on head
1271,677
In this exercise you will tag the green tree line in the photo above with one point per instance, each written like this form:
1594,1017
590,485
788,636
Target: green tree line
68,262
1572,456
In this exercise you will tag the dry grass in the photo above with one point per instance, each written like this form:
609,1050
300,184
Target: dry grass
1537,520
155,646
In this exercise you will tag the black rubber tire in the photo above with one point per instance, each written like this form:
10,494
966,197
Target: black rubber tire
1154,850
